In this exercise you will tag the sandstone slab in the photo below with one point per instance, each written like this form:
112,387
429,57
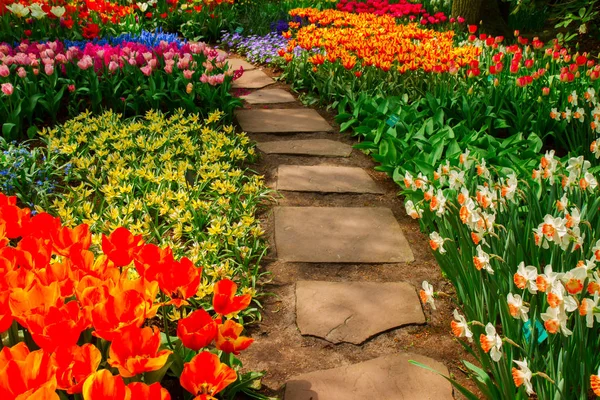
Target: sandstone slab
269,96
253,79
236,63
352,312
282,120
339,235
325,179
389,377
309,147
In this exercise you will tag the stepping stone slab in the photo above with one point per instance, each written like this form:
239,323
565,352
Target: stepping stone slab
353,312
269,96
325,179
254,79
389,377
236,63
282,120
310,147
339,235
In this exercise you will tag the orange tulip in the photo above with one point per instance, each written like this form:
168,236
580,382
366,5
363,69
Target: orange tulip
34,299
205,376
136,351
102,385
225,301
65,238
74,364
60,326
197,330
229,339
16,219
26,375
118,313
6,318
120,246
152,392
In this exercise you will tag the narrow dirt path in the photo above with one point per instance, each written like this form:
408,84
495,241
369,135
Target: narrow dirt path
346,263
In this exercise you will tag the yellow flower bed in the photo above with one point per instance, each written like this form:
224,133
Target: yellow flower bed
178,181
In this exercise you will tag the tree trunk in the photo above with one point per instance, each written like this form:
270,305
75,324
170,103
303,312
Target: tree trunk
470,10
489,13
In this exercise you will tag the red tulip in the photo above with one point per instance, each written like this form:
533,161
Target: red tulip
74,365
197,330
135,351
102,385
205,376
229,339
140,390
120,246
225,301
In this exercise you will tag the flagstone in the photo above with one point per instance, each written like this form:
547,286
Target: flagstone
353,312
253,79
236,63
390,377
339,235
282,121
325,179
269,96
309,147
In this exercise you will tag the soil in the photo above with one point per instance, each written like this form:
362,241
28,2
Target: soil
279,348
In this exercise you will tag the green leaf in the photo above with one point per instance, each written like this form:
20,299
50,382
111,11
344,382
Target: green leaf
424,167
347,124
7,127
32,132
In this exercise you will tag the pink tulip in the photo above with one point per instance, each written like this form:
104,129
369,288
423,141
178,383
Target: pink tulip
49,69
7,89
71,88
187,74
4,71
21,72
113,66
147,70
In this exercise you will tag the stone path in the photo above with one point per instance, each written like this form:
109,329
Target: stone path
330,236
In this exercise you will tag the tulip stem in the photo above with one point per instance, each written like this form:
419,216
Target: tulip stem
166,326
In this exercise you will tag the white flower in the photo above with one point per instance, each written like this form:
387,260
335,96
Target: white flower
589,308
460,328
456,180
522,376
436,242
36,11
482,261
525,277
464,159
516,307
510,187
491,342
413,211
408,181
142,6
545,282
58,11
438,203
18,9
555,319
573,98
426,294
562,203
578,165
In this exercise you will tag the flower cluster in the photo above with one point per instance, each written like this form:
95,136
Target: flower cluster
56,293
133,75
176,179
357,40
42,19
257,49
401,9
531,267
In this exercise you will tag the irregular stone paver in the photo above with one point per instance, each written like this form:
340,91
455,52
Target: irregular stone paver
282,120
310,147
236,63
384,378
355,311
254,79
339,235
269,96
325,179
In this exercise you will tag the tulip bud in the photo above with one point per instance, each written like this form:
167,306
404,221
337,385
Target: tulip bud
470,91
546,91
496,82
